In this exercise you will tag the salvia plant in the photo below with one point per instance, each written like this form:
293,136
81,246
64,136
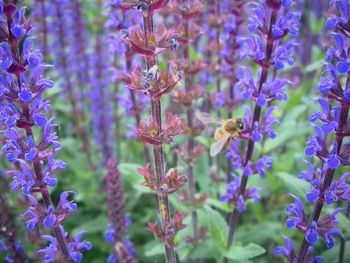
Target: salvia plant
132,101
188,32
102,119
63,27
149,42
31,142
40,14
327,180
123,250
270,51
165,112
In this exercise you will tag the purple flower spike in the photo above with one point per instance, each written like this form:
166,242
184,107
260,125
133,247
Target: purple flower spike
29,139
328,144
268,47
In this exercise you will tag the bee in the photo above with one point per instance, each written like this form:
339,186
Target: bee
175,74
163,188
147,76
228,131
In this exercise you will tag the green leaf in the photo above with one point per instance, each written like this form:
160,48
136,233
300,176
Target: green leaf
218,228
249,232
332,255
130,175
250,251
293,183
226,207
156,250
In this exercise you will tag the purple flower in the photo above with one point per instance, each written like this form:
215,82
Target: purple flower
287,251
297,210
231,194
76,247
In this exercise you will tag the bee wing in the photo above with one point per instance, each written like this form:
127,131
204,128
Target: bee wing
154,72
175,74
205,118
217,147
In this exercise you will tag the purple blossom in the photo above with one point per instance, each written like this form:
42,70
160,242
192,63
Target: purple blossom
232,190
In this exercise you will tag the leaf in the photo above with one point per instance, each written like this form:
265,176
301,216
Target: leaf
129,174
93,225
218,228
332,255
259,232
220,205
250,251
155,250
205,250
294,184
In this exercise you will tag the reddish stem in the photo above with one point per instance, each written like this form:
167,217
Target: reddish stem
159,165
190,142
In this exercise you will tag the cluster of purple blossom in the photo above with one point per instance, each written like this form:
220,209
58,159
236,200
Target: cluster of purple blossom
31,142
331,126
269,24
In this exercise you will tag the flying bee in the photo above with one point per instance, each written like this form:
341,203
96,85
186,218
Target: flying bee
175,74
228,131
147,76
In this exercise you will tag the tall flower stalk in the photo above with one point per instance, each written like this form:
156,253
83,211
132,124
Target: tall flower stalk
232,30
123,251
119,19
149,43
69,45
40,16
331,127
31,143
270,23
101,103
188,11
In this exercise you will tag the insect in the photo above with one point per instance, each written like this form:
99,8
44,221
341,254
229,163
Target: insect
147,76
228,131
175,74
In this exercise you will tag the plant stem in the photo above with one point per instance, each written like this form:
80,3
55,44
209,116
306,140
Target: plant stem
233,222
159,165
237,10
47,200
190,143
76,114
329,174
43,24
342,241
218,79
